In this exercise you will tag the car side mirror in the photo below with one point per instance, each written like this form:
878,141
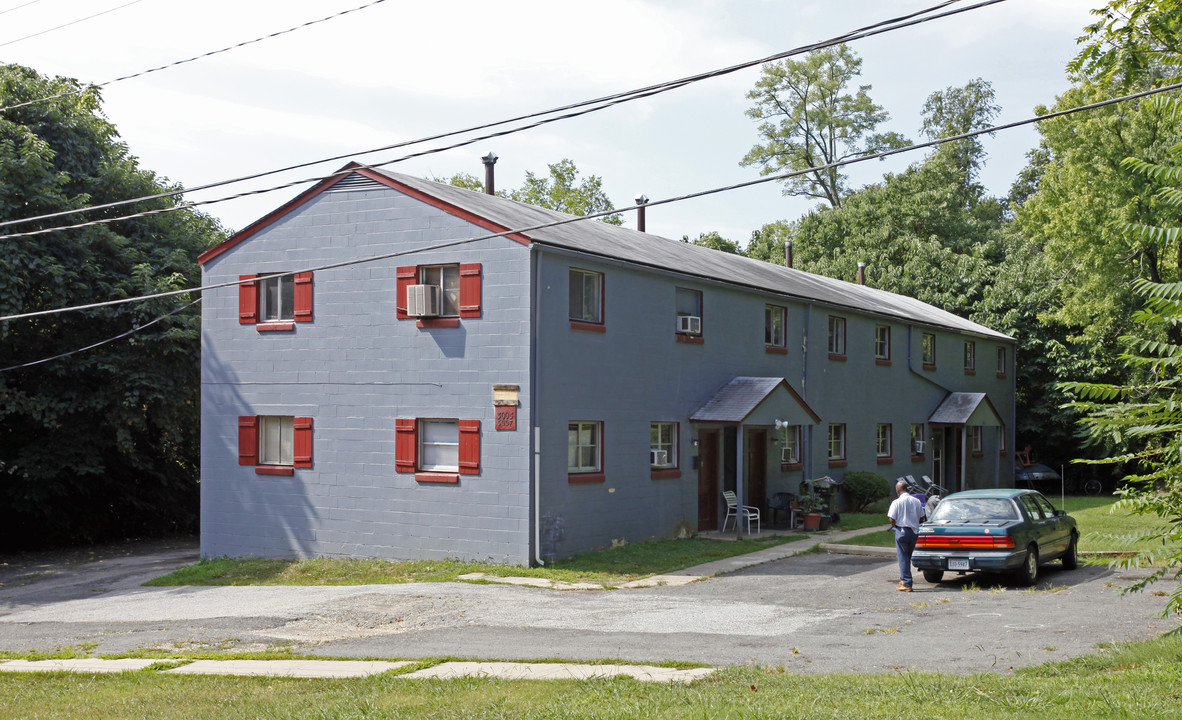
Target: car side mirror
1060,513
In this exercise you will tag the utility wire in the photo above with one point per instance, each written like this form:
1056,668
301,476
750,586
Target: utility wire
72,22
680,198
95,86
18,7
601,103
101,342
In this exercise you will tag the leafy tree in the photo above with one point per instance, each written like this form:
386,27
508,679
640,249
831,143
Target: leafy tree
956,111
808,119
1134,44
103,443
716,242
561,190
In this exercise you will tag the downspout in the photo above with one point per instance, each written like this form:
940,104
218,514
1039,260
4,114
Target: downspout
535,262
804,380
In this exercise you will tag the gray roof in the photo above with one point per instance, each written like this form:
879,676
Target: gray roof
611,241
958,408
739,398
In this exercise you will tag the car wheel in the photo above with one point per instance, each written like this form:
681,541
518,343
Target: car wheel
1093,487
1071,557
1029,570
933,576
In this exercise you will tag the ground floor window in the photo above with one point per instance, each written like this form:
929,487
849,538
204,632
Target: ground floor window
584,449
663,445
837,441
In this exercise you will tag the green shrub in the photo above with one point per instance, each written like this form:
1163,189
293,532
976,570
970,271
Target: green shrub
863,488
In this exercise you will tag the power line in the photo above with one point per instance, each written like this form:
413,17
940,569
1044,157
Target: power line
680,198
72,22
189,60
18,7
601,103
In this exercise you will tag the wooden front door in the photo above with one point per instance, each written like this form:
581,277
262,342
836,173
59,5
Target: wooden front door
755,468
707,480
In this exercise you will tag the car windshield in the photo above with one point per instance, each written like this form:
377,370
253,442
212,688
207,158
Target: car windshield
971,510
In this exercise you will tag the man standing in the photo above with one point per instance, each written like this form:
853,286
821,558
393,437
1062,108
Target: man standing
905,513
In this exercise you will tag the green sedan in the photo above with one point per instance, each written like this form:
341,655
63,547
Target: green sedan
1001,530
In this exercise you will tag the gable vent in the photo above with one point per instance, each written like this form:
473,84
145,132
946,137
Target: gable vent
355,181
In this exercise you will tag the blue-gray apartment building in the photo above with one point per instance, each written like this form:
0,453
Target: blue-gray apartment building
396,368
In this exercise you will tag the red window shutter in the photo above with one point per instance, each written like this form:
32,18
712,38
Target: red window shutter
248,301
302,442
406,444
470,290
248,440
303,297
407,275
469,447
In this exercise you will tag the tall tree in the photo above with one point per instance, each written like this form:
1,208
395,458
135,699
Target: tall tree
560,190
102,443
809,119
1133,44
956,111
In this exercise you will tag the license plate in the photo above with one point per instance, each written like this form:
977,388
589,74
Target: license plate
954,564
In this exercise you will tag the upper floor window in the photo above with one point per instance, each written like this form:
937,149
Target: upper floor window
970,356
662,445
688,304
586,296
274,301
928,346
882,342
438,295
836,336
1001,362
774,317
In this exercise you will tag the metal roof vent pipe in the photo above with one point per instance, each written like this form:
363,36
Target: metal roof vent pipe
641,201
861,273
489,160
788,253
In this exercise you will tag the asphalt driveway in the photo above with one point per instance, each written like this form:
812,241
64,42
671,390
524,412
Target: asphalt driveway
811,613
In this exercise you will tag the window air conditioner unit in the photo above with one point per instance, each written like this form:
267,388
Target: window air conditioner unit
658,457
786,456
918,445
691,324
422,300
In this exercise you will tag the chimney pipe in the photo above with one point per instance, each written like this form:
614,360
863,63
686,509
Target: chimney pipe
641,201
788,253
861,273
489,160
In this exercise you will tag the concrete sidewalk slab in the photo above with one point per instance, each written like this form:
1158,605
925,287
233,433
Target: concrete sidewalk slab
79,665
289,668
555,671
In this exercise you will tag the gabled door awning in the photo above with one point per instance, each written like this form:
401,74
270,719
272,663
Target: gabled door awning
961,408
756,401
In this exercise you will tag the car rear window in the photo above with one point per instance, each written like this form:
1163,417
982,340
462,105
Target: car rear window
971,510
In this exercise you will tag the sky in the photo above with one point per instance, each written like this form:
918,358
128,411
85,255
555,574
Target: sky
401,70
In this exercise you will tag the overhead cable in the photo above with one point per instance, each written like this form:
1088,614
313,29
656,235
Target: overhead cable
72,22
189,60
680,198
588,106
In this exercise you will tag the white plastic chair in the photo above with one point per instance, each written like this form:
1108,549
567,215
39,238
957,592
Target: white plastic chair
750,512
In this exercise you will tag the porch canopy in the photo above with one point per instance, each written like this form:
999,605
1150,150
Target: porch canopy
962,408
756,401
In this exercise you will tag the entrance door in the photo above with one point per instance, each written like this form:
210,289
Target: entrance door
755,468
707,480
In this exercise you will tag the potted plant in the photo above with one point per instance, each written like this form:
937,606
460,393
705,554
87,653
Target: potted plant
812,506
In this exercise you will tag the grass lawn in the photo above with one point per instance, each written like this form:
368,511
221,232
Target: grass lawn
1095,515
608,567
1138,680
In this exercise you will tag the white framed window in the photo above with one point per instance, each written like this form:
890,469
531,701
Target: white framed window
439,445
977,438
882,342
882,440
928,346
1001,362
277,298
276,440
584,447
790,445
837,441
917,439
447,279
688,304
663,445
970,356
836,335
586,296
774,317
